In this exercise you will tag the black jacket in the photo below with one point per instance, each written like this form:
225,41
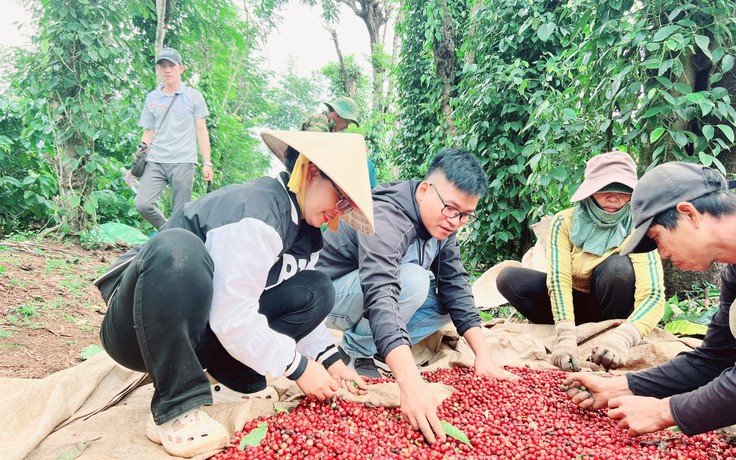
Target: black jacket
701,382
400,237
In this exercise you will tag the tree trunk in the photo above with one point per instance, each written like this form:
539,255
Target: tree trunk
160,24
349,86
74,182
678,282
390,90
375,15
447,65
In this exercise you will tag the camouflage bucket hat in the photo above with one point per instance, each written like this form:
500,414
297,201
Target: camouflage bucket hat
346,108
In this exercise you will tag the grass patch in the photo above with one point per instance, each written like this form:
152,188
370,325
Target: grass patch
27,310
75,285
19,283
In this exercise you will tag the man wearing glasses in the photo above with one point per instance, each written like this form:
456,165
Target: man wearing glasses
405,282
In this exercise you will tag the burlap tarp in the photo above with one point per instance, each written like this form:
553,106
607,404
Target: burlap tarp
63,414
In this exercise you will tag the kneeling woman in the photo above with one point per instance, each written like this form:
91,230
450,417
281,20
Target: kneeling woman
587,280
228,285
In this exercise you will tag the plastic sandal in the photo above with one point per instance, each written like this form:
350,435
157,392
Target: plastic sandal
221,393
190,434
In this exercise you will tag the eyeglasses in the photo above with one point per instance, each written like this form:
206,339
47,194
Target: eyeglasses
453,213
343,205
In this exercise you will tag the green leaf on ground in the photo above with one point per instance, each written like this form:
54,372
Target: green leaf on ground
89,351
684,327
255,437
77,450
454,432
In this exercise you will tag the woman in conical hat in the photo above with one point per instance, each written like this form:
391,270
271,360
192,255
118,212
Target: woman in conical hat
228,285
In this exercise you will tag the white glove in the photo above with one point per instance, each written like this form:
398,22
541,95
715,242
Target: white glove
614,348
565,353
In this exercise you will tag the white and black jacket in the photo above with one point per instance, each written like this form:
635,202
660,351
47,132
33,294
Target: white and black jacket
252,232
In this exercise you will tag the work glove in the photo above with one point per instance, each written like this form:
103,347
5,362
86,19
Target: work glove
565,353
614,348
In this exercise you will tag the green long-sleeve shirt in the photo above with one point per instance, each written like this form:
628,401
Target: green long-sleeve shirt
569,267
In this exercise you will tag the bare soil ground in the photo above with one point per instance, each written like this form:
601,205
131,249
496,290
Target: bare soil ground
50,313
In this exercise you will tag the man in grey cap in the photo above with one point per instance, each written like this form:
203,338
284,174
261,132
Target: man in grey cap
686,211
174,121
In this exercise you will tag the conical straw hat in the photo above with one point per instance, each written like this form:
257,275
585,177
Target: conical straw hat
342,157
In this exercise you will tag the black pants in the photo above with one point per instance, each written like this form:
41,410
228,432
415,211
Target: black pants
157,321
611,295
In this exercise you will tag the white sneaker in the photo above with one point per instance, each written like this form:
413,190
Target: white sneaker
221,393
381,364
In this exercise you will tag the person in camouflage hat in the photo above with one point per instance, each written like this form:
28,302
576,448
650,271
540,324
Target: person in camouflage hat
339,114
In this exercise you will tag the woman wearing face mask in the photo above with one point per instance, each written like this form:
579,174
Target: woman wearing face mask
228,285
587,280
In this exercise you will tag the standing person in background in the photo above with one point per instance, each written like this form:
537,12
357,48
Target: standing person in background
587,280
340,113
687,212
172,156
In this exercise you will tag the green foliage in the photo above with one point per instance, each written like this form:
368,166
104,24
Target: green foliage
70,105
293,99
27,183
421,127
357,80
696,308
79,85
547,85
685,328
222,50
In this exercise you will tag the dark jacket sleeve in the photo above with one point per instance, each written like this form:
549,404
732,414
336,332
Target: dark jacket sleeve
379,257
701,382
453,288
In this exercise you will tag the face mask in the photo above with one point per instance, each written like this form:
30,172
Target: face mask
732,318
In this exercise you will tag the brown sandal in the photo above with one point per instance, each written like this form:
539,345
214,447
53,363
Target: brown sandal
190,434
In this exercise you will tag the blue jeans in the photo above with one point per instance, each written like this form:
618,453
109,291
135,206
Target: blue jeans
418,304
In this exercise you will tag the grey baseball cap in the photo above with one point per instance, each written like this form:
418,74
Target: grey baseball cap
660,190
169,54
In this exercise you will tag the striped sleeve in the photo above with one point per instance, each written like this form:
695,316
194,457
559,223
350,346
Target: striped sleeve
649,292
559,268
